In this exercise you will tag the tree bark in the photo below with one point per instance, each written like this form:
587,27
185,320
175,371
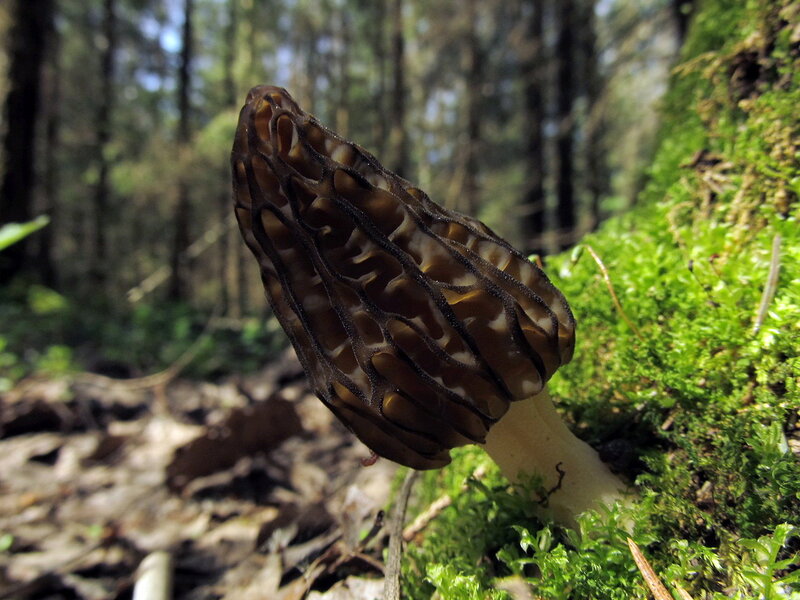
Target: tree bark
181,269
681,15
565,92
99,269
597,175
378,42
474,80
51,114
343,101
305,39
27,41
398,135
533,69
225,210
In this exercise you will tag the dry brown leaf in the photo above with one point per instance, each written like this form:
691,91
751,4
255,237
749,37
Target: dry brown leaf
245,432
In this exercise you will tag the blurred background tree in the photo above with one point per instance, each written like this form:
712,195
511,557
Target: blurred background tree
535,115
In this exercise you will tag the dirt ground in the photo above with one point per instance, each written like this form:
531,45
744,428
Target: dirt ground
251,486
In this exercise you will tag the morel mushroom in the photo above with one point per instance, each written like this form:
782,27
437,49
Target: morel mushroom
417,326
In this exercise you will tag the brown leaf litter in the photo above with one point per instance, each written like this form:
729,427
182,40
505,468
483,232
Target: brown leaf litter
252,486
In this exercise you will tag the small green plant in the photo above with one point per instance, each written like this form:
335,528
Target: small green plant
764,572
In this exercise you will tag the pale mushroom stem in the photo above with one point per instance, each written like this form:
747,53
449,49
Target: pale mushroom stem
532,439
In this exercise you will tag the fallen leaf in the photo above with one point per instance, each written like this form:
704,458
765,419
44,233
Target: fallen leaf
247,431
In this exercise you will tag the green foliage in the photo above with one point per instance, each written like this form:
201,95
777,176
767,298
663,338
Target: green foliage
764,572
153,337
11,233
708,401
11,368
31,339
45,332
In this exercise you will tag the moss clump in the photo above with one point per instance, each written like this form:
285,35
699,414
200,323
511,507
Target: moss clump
701,408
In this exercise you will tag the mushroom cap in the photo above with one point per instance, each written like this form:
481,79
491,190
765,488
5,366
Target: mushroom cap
416,325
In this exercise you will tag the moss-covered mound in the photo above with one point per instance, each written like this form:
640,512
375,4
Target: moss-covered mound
687,374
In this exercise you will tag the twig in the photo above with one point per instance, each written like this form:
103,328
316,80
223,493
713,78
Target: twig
544,501
611,291
48,579
706,289
648,574
516,587
771,285
391,590
160,275
425,517
682,592
156,379
154,578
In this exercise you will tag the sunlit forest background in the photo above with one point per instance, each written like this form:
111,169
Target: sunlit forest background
644,152
538,117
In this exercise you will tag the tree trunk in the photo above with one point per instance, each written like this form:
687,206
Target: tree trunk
50,171
27,41
474,80
229,60
305,40
533,69
343,85
378,42
565,92
398,135
99,269
181,269
597,176
225,208
681,15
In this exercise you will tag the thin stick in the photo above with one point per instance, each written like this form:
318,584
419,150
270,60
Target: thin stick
771,285
649,575
159,378
424,518
611,291
682,592
436,507
391,590
160,275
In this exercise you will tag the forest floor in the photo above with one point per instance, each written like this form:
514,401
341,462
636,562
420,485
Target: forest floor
251,485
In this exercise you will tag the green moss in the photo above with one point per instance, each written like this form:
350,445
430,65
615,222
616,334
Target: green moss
704,405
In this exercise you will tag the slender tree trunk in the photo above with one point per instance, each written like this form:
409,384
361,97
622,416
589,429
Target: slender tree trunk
398,135
474,80
305,39
343,85
229,60
249,34
225,209
681,14
378,39
595,154
565,92
328,94
533,69
99,269
27,41
181,269
50,172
